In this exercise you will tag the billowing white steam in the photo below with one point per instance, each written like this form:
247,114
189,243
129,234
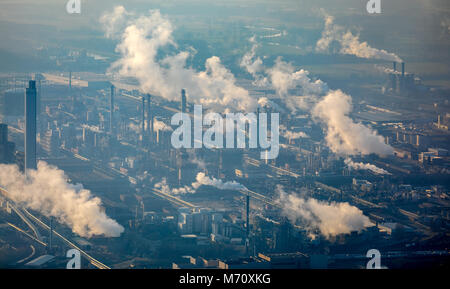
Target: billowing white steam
294,134
135,127
386,70
330,219
343,135
142,38
46,190
160,125
365,166
330,107
201,180
165,188
283,76
267,103
349,43
254,65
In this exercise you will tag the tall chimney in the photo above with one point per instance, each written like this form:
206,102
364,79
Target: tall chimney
183,100
403,69
111,110
247,222
30,126
143,117
70,79
257,126
247,214
37,77
395,66
149,116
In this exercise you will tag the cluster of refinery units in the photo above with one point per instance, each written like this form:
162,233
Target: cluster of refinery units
401,81
220,208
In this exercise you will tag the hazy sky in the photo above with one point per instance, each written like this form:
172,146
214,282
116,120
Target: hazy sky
416,29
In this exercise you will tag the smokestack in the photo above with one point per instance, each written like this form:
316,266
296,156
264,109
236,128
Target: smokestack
70,79
37,77
3,133
183,100
30,126
395,66
149,116
257,126
247,214
143,117
403,69
247,222
111,110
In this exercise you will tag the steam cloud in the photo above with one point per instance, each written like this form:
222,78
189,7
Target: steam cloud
349,43
254,65
292,134
343,135
330,219
201,180
284,77
47,191
364,166
141,41
329,107
160,125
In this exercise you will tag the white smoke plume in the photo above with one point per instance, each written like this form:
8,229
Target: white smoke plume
144,37
254,65
343,135
135,127
330,219
160,125
365,166
201,180
292,134
165,188
267,103
46,190
386,70
295,135
330,107
349,43
283,77
115,21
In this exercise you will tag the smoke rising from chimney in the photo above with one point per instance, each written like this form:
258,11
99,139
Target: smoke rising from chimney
140,41
343,135
329,107
365,166
201,180
47,191
349,43
330,219
160,125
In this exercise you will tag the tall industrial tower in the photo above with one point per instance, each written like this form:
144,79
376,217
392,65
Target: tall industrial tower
149,117
111,110
30,126
183,100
